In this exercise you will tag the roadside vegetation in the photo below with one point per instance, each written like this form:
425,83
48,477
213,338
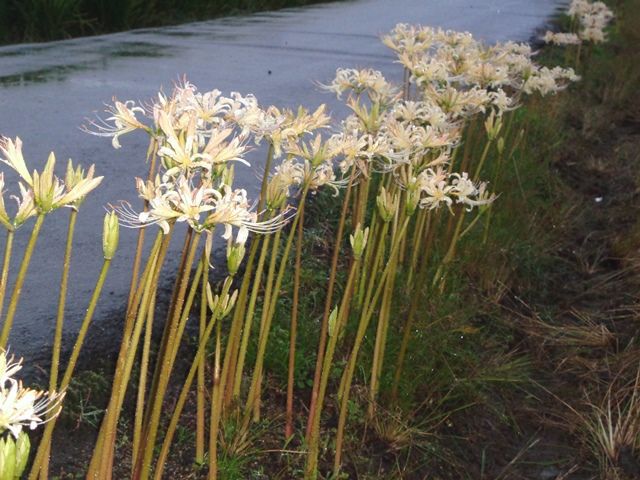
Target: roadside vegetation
46,20
442,285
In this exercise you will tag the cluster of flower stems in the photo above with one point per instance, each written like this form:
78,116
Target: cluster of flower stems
406,204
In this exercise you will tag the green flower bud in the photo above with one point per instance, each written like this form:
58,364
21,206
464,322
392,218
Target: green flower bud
276,194
44,188
227,173
493,125
387,205
359,241
236,251
7,457
500,145
332,321
23,445
221,306
110,235
413,199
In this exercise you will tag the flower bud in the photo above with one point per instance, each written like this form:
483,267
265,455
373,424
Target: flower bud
276,195
44,187
23,445
332,322
387,204
236,251
221,306
359,241
227,174
412,201
500,146
110,235
7,456
493,125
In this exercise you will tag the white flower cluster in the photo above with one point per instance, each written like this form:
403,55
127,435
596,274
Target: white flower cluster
589,21
464,76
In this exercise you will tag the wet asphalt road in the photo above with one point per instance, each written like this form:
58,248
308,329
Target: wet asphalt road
48,90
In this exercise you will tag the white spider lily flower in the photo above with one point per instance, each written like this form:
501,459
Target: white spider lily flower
560,38
427,71
458,103
26,205
547,81
316,151
77,178
285,176
20,406
469,193
178,201
122,120
12,156
410,41
231,209
209,108
435,190
50,192
252,119
502,101
368,81
295,125
180,151
8,368
4,216
218,150
420,113
359,149
487,74
321,175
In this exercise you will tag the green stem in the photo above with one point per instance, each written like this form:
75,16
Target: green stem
311,470
416,299
293,331
337,247
151,154
483,158
8,248
200,386
381,333
256,380
142,381
422,225
182,398
216,408
17,289
44,446
57,339
103,450
448,258
347,376
265,178
176,327
246,331
64,282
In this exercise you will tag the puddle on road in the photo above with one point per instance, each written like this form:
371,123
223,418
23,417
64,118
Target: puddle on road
56,73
